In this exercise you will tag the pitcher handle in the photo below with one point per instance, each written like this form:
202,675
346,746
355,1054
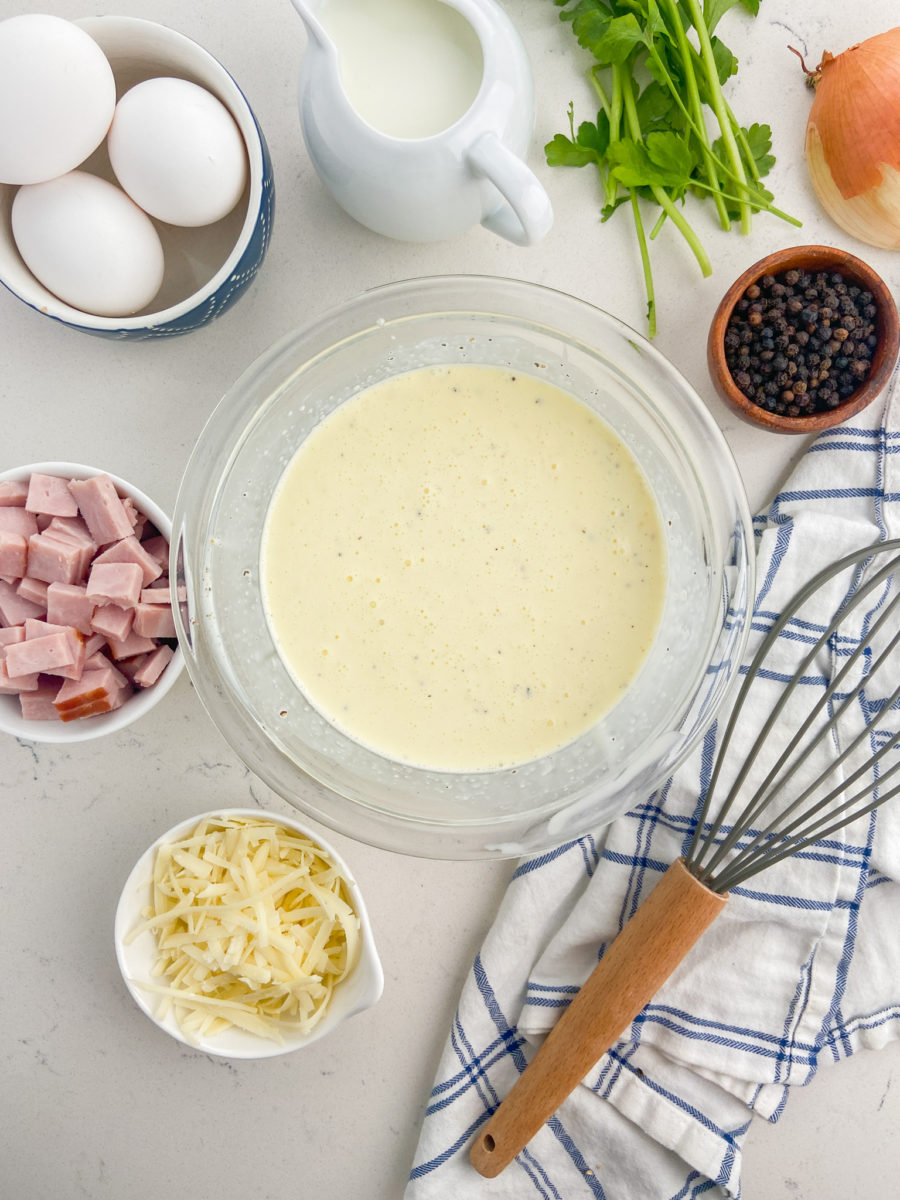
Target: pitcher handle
527,214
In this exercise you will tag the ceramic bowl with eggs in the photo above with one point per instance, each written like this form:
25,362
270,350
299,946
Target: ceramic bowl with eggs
302,871
435,805
137,700
114,242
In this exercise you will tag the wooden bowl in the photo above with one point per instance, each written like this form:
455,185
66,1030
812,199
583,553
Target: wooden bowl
808,258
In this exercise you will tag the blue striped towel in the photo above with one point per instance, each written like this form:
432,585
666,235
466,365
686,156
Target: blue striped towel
802,968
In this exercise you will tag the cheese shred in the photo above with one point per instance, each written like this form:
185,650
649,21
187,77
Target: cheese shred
254,929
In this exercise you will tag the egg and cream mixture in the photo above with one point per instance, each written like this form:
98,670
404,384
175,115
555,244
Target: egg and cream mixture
463,567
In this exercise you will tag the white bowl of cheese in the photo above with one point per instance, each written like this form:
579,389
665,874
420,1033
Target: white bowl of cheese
244,934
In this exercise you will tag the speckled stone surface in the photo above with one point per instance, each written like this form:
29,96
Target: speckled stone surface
95,1101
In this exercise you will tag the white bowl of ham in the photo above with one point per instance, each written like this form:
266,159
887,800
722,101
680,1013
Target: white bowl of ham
87,642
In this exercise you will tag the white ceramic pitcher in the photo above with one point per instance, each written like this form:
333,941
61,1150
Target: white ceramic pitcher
430,187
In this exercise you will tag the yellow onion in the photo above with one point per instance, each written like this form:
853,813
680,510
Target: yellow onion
853,138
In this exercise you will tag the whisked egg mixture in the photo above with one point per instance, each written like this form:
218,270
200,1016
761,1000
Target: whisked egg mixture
463,567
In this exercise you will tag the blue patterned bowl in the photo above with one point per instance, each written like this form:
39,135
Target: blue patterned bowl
207,268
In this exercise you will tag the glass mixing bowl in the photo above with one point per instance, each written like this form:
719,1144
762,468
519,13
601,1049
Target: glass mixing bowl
253,699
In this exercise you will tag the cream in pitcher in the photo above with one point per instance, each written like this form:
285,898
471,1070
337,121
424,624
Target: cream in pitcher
410,68
418,114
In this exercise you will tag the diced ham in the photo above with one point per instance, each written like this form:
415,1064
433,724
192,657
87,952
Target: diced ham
40,629
50,494
54,559
94,643
161,593
16,520
12,684
78,565
13,553
131,645
130,666
13,493
101,508
115,583
76,529
99,662
159,548
130,550
15,609
156,663
68,604
112,621
154,620
34,590
47,654
38,705
95,692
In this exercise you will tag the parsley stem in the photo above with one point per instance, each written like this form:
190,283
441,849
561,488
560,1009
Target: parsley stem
645,263
660,195
759,205
676,28
717,103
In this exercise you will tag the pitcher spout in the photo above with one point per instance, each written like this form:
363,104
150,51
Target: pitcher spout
308,12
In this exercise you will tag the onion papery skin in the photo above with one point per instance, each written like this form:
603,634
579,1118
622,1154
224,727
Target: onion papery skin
853,139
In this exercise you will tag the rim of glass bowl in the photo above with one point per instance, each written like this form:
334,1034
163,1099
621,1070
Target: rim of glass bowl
535,310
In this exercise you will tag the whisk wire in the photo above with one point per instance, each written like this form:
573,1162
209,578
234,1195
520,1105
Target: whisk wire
707,839
759,852
774,783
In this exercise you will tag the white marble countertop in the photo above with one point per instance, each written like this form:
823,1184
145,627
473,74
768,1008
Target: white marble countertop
95,1101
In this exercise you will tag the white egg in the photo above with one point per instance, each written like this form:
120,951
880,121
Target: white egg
177,151
57,97
88,244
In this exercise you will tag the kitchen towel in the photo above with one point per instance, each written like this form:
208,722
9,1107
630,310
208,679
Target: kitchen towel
802,969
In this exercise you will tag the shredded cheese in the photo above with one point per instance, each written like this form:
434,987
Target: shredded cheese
254,929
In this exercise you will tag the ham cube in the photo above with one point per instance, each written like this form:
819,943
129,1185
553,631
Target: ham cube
154,666
17,520
55,559
67,604
75,529
112,621
156,594
94,643
99,662
15,609
159,548
115,583
130,550
13,554
34,590
38,705
50,494
13,494
130,645
47,654
154,620
13,685
101,508
7,636
95,692
72,670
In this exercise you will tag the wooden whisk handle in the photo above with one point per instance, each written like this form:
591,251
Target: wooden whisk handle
637,963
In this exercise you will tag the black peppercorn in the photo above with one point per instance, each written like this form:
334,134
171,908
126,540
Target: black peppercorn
800,343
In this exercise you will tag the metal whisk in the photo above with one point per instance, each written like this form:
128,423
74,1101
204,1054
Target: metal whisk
744,837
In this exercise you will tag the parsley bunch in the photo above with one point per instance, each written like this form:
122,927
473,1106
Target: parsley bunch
658,69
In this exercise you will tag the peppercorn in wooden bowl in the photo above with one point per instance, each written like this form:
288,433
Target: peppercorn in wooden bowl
803,340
